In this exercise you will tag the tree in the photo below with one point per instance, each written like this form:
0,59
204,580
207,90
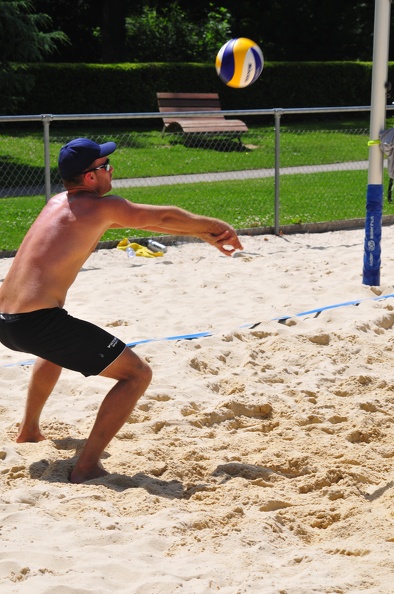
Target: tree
308,29
297,30
285,30
81,21
23,38
169,35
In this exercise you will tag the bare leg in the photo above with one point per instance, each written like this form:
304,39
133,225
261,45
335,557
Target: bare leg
134,376
44,377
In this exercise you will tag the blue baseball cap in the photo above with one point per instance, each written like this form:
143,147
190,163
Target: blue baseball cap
78,154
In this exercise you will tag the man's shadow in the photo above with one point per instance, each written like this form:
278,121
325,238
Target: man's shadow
58,471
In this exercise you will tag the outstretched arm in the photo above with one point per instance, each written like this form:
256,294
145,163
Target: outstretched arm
174,220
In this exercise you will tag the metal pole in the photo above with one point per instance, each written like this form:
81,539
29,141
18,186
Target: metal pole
46,119
374,205
278,114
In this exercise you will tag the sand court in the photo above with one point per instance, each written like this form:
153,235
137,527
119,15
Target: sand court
261,458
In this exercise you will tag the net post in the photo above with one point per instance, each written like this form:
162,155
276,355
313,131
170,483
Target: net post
374,202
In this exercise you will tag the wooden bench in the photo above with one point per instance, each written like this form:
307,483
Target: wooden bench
201,102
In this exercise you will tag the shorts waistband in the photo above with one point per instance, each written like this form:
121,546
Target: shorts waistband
9,317
6,317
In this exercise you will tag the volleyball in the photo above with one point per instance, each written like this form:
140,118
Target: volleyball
239,62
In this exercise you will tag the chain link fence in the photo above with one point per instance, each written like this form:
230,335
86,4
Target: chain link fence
279,174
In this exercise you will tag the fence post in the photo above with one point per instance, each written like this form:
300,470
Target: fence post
46,120
278,113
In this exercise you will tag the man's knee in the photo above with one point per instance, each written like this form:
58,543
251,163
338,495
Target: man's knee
130,367
145,373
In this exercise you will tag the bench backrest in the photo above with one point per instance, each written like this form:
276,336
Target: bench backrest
168,102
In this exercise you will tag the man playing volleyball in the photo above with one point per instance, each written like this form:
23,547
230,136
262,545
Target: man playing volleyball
33,294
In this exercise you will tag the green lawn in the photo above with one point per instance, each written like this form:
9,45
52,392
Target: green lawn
330,196
148,153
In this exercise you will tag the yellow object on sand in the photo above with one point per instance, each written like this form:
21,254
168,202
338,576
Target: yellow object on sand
140,250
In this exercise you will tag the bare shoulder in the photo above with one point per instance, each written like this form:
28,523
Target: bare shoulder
118,211
108,210
96,205
113,198
118,203
112,203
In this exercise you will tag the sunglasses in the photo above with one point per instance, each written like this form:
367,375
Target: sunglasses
105,166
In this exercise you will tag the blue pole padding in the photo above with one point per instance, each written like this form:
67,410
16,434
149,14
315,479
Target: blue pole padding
373,234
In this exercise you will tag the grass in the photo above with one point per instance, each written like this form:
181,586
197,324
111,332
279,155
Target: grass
148,153
17,214
312,197
304,199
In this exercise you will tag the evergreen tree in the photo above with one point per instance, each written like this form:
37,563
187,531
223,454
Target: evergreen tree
24,37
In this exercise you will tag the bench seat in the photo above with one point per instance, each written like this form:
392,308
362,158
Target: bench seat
199,102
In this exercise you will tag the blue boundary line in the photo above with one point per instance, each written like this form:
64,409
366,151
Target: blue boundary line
180,337
344,304
279,319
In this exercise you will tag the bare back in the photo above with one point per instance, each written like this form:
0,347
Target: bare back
56,246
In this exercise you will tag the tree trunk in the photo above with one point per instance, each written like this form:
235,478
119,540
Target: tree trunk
113,30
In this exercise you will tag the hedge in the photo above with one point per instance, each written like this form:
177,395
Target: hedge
131,88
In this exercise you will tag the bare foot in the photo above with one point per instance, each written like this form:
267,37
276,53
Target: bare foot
80,476
26,435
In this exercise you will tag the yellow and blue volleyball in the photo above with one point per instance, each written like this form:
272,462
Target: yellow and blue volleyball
239,62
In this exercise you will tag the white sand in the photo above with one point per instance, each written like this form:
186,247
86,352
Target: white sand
260,460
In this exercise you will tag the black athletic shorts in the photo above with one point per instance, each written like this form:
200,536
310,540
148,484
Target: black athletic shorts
56,336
